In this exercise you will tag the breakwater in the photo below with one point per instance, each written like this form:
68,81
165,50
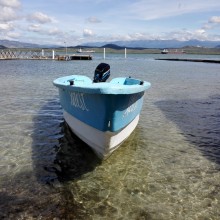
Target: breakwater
190,60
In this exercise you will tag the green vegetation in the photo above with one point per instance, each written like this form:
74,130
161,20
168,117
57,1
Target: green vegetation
202,50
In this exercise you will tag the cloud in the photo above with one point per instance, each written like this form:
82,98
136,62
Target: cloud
6,27
207,26
34,28
200,31
37,28
212,23
54,31
87,33
40,18
7,31
10,3
93,20
184,35
214,19
14,35
181,35
8,14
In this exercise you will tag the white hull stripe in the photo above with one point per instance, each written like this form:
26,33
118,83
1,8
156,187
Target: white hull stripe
103,143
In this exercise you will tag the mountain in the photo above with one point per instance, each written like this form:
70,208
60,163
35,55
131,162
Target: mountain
157,43
18,44
116,47
2,47
135,44
112,46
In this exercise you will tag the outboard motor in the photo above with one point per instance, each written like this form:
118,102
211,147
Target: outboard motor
102,72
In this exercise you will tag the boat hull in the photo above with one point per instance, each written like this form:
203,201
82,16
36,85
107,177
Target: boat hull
103,143
104,112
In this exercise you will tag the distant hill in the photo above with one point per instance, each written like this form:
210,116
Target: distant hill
18,44
157,44
117,45
2,47
112,46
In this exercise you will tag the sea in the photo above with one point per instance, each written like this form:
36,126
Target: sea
169,168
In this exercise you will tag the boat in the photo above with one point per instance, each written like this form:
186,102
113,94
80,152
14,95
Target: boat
85,51
165,51
102,114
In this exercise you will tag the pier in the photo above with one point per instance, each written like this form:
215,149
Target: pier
26,55
40,55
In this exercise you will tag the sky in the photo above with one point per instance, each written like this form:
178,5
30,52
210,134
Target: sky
74,22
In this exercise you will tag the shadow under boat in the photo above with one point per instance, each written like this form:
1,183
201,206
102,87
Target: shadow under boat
199,120
57,154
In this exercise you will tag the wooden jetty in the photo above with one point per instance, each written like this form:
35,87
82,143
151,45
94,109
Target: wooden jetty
190,60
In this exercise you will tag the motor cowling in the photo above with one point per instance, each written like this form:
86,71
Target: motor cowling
102,73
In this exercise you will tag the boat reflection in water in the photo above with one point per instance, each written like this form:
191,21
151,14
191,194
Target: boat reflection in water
74,158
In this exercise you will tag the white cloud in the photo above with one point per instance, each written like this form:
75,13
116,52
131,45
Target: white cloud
40,18
44,31
8,14
10,3
13,35
181,35
6,27
207,26
87,33
54,31
200,31
93,20
212,23
184,35
214,19
34,28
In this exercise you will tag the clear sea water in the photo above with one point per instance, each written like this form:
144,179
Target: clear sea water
169,168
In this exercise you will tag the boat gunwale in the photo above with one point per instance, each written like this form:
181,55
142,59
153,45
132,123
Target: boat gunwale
102,87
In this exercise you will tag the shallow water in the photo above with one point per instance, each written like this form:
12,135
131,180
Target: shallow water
167,169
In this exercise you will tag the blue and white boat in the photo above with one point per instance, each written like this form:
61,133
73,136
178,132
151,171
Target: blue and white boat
102,114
